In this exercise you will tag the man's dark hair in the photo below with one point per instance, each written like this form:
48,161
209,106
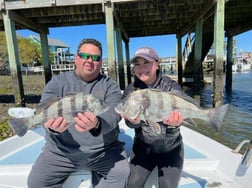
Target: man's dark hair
90,41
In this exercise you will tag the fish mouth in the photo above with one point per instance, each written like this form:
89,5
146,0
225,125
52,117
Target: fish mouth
132,116
119,109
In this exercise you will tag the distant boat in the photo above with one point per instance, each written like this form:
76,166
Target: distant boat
207,162
241,67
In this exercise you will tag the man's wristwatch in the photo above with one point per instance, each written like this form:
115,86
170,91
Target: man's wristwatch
97,124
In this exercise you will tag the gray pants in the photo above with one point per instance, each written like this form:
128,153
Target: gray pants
109,171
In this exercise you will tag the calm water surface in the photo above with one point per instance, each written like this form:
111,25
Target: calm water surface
237,124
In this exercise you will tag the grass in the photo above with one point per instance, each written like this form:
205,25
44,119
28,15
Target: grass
33,84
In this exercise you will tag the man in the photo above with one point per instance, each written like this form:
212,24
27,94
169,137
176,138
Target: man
92,142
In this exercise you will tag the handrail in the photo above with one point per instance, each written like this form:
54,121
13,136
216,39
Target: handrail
247,157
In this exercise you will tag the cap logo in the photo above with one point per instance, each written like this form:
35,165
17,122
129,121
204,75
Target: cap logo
142,50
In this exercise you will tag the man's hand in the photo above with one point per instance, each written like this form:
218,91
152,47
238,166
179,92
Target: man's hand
175,119
58,124
86,121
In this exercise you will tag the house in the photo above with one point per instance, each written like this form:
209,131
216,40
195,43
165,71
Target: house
54,44
63,58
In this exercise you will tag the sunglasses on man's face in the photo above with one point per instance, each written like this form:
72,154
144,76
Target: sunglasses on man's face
87,56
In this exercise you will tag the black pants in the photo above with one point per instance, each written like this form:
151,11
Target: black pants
169,164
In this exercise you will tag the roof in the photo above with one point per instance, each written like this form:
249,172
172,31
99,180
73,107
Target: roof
135,18
51,42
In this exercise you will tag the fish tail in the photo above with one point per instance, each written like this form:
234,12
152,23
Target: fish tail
217,115
19,125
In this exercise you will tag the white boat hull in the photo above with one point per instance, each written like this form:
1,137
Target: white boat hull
241,67
207,162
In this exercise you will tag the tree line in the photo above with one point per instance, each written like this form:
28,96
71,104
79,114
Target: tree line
30,52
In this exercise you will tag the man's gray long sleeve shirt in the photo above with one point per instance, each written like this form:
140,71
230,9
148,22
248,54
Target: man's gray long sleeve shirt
76,144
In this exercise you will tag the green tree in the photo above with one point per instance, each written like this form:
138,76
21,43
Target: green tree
29,51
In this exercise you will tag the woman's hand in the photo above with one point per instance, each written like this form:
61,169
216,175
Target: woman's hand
175,119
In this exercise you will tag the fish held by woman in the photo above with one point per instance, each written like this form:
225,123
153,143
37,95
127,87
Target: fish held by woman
153,105
66,107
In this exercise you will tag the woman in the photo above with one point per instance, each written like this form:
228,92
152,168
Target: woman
164,151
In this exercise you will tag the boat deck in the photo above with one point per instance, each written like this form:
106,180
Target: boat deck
20,157
199,170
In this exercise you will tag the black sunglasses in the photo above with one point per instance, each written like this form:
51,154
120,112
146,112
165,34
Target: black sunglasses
87,56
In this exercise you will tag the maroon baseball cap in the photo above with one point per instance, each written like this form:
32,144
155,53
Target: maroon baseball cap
147,53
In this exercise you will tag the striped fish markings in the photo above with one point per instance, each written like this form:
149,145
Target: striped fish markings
66,107
153,105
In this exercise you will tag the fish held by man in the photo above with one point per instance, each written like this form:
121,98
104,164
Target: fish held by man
66,107
153,105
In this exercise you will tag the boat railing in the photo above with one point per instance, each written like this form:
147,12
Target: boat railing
247,157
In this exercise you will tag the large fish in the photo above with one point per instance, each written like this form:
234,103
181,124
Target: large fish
66,107
153,105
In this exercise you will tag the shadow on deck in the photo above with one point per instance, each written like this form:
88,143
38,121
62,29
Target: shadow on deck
28,98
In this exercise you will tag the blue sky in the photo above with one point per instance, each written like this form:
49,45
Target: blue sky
165,45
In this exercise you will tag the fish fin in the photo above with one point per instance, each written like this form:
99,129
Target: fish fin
154,126
177,93
155,90
187,98
20,125
74,112
190,122
71,94
217,115
46,104
174,107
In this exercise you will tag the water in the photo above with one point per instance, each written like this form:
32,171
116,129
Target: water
237,125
